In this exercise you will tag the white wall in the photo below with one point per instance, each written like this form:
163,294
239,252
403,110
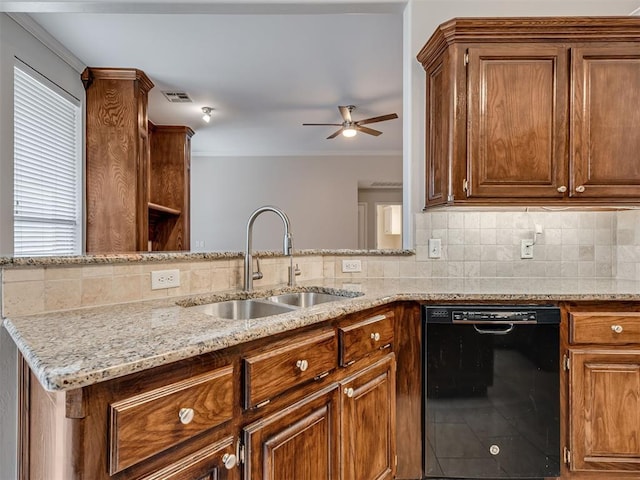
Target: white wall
16,42
318,194
421,17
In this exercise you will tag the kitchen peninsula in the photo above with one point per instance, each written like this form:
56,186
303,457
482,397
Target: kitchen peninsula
118,371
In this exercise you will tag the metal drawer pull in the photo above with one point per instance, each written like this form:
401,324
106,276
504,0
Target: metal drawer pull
562,189
186,415
302,365
617,328
580,188
349,392
375,336
229,460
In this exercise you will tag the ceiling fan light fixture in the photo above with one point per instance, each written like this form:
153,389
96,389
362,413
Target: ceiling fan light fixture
349,132
206,114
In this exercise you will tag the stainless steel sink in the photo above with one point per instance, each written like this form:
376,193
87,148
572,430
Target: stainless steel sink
305,299
243,309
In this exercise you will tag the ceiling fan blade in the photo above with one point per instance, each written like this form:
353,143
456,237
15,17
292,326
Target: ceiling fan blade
316,124
345,112
335,134
381,118
368,130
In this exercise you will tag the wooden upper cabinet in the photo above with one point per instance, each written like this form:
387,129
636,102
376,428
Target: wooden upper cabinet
517,108
532,111
117,158
605,154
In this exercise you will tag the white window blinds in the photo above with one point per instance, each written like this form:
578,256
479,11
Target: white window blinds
46,169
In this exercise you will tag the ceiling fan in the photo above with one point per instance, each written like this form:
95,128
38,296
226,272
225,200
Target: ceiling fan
349,128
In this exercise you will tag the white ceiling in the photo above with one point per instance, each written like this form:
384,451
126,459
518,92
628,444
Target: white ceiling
264,74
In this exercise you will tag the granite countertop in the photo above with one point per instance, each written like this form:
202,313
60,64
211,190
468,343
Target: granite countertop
76,348
149,257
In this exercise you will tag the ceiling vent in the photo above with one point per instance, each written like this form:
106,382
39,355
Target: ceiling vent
177,97
387,184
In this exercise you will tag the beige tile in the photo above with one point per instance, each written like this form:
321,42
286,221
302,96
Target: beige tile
391,269
376,269
407,269
62,273
201,280
63,294
22,298
127,288
222,279
135,269
22,275
200,266
97,270
97,291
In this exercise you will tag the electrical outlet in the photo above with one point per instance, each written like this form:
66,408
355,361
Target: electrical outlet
526,249
165,279
351,266
435,248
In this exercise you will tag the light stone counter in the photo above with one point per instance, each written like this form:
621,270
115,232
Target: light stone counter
75,348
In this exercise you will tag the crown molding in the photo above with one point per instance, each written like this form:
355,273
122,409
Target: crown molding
34,28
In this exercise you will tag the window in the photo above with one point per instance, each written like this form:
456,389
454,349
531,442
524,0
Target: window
47,163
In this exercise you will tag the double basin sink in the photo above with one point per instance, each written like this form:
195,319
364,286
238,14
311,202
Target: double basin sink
251,308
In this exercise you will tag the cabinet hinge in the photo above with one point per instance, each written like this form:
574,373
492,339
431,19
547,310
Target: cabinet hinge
240,454
262,404
322,375
567,456
566,363
465,187
466,57
396,460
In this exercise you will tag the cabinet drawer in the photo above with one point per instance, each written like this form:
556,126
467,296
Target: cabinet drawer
294,362
364,337
604,327
148,423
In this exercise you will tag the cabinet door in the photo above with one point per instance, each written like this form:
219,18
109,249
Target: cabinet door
606,137
297,443
517,121
605,410
368,402
437,133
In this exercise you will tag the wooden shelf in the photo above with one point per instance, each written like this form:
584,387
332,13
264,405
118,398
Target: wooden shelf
154,207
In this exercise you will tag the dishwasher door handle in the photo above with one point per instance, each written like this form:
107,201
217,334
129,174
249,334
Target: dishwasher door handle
508,330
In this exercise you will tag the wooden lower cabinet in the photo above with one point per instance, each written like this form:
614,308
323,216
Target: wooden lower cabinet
602,363
194,419
605,401
368,423
299,442
345,431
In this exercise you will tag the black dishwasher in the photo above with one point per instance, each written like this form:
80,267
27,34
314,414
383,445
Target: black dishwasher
491,391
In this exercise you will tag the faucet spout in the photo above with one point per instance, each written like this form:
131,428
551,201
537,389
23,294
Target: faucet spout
287,246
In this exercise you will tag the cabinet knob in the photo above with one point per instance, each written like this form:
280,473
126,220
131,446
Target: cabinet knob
349,392
562,189
186,415
229,460
375,336
580,188
617,328
302,365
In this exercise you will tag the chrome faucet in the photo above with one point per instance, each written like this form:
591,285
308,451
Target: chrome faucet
287,246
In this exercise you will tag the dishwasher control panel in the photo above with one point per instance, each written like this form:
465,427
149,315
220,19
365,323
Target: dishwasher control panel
491,313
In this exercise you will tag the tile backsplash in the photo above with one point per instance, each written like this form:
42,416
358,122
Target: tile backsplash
572,243
584,244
